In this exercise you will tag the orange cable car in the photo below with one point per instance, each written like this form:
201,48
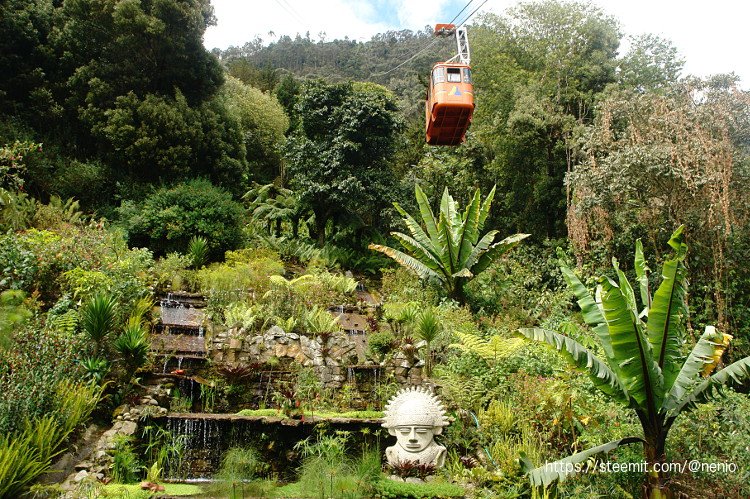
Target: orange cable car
450,95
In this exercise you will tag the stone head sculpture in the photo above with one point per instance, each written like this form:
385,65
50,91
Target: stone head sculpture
414,416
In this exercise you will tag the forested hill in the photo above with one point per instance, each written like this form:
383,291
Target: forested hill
386,57
400,60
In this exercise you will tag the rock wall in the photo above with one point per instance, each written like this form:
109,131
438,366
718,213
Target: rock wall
332,356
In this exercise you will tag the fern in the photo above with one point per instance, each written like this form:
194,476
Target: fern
493,350
66,323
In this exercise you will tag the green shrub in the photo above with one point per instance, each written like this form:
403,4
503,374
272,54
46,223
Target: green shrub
328,473
31,369
98,316
18,263
244,275
380,344
12,313
239,464
167,219
169,272
390,489
198,251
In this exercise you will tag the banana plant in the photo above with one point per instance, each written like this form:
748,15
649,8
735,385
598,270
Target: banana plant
448,249
644,366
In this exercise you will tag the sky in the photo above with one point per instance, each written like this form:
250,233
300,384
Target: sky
710,36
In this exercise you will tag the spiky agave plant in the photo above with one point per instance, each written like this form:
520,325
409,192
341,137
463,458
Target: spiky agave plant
644,366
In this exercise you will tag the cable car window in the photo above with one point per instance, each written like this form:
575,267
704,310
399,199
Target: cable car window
467,76
438,76
454,75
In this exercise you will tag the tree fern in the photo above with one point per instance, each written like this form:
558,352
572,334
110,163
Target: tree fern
492,351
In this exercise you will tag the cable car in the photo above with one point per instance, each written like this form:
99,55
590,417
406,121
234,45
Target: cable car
450,94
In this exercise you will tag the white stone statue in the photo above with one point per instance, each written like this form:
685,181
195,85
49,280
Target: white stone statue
414,416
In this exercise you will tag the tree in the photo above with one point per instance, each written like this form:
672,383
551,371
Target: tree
448,249
652,160
273,205
644,366
263,123
338,155
24,57
538,71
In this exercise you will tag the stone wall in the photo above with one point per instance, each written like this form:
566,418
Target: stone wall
331,356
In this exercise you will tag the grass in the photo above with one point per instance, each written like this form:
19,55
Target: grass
318,414
390,489
118,490
402,490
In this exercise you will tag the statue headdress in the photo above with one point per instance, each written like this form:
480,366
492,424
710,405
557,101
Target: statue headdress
415,406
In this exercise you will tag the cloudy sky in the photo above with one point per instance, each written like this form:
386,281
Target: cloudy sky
710,36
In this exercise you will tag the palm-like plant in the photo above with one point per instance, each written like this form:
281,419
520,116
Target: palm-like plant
644,366
448,249
427,327
198,251
133,345
273,204
98,317
319,321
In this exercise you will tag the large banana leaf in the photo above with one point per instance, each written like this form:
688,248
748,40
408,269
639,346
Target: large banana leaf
592,314
631,352
668,314
479,249
549,473
485,210
412,263
468,233
704,352
496,251
447,247
416,230
641,272
427,216
733,375
600,373
421,253
449,210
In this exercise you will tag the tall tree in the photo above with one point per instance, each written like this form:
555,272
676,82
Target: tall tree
658,159
338,155
263,123
538,71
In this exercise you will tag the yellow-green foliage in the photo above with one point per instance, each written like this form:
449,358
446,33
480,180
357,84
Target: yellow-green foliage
319,320
492,350
245,274
498,418
27,454
506,450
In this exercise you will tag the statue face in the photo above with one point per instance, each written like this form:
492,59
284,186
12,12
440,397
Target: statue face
414,438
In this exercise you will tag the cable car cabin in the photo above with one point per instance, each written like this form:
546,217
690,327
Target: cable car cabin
450,104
